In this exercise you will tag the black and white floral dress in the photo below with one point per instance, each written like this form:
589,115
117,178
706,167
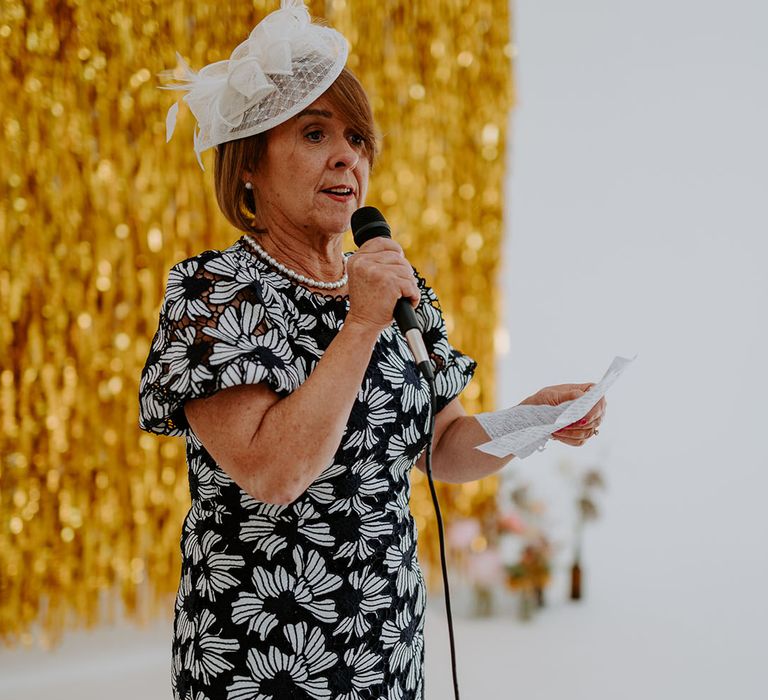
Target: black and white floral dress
321,599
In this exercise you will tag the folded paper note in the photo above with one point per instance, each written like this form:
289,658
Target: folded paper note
521,430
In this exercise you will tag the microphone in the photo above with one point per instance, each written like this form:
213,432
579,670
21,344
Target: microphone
367,223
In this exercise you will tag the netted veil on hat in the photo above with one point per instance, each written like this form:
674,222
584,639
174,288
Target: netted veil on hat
283,66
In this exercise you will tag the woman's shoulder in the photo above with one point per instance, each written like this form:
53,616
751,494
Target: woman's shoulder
237,262
226,262
216,276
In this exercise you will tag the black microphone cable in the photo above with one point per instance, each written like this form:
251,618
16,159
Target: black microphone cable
441,537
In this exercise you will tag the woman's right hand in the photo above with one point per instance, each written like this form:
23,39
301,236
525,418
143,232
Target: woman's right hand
379,274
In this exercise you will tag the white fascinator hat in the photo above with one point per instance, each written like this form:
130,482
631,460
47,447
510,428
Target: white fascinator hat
283,66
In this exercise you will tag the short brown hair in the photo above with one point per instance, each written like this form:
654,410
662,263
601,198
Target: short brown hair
232,158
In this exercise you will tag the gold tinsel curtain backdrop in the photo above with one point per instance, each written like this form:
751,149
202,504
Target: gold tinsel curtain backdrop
95,208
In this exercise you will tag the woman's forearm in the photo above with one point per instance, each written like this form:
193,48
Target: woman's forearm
455,459
299,435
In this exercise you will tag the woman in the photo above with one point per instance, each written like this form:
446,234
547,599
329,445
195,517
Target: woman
302,409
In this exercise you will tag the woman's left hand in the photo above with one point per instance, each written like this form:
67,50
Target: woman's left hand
578,433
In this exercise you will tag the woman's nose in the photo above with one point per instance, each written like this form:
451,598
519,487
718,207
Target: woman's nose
344,156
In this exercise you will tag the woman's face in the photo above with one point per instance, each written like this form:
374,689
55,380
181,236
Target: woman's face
314,174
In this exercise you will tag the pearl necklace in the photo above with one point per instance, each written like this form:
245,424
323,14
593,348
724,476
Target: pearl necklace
308,281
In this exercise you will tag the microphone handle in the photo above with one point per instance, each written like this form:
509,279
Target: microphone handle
405,317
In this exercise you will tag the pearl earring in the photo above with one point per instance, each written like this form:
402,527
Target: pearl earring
249,185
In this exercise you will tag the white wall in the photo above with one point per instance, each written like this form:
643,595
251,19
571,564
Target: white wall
638,222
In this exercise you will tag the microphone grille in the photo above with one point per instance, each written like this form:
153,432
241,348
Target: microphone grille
367,223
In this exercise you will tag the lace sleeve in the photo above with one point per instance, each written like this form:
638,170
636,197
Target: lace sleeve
218,328
453,369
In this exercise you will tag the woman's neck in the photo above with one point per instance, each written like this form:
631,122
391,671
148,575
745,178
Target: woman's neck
318,256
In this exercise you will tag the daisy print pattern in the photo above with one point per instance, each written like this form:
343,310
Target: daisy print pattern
366,593
359,671
188,605
230,277
372,412
180,677
322,598
321,490
196,526
301,328
267,353
217,569
307,589
369,528
395,692
185,290
273,532
405,638
205,479
399,505
364,480
153,408
401,561
404,448
186,368
206,654
403,376
294,675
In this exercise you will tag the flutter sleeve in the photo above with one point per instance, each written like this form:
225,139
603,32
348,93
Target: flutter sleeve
218,327
453,369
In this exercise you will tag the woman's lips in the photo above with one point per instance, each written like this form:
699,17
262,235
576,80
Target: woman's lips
339,197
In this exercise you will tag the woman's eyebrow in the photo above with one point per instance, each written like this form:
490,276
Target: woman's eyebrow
314,112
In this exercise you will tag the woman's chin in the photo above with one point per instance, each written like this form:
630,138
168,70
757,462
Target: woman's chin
337,225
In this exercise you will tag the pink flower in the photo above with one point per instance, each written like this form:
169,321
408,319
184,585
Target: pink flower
485,568
462,532
511,522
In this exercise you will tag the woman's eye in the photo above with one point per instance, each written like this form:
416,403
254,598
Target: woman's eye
315,136
357,140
